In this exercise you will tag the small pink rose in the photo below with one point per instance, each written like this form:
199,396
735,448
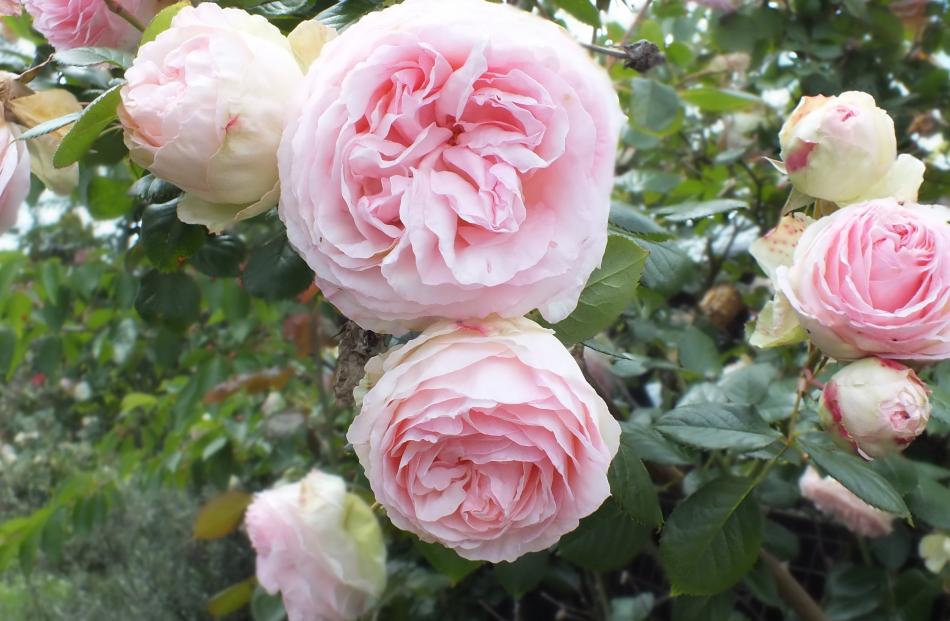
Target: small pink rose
450,160
873,279
320,546
834,499
90,23
485,437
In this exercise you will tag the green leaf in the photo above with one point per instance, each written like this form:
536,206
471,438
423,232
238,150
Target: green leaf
654,106
719,99
49,126
87,56
266,607
697,351
931,503
345,12
854,474
667,267
161,22
650,445
220,256
274,271
171,299
54,533
232,599
611,288
606,540
751,384
630,484
521,576
717,426
712,539
167,240
221,515
151,189
108,198
715,608
446,561
582,10
7,349
693,210
637,608
94,118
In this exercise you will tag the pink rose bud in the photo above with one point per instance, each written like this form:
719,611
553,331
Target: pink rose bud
90,23
485,437
843,149
873,279
204,107
837,501
450,160
321,547
14,175
877,407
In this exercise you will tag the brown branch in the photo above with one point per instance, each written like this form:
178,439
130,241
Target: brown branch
792,591
119,10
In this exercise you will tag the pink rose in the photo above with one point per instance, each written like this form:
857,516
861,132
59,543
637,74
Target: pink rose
873,279
89,23
450,159
834,499
204,107
14,175
876,407
10,7
484,436
320,547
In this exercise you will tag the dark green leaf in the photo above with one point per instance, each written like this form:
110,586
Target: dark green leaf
717,426
930,502
650,445
667,267
151,189
712,539
606,540
630,484
610,289
7,349
274,271
854,474
95,118
220,256
167,240
265,607
750,384
171,299
654,106
108,198
521,576
345,12
446,561
715,608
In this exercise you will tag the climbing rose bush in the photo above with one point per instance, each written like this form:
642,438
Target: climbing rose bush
450,159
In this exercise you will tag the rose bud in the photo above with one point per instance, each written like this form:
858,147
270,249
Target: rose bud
14,175
320,546
450,160
874,406
204,106
873,279
485,437
834,499
934,549
842,149
67,24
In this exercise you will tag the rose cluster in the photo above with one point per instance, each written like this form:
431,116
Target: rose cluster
443,167
864,275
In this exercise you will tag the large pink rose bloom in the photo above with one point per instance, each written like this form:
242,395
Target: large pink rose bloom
14,175
485,437
834,499
873,279
319,546
450,159
89,23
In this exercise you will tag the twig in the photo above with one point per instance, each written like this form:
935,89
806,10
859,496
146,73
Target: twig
792,591
119,10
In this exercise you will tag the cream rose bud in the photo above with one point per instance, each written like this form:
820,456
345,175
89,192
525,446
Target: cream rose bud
842,149
204,107
485,437
934,549
14,175
320,546
832,498
877,407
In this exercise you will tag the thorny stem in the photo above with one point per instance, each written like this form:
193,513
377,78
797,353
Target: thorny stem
792,591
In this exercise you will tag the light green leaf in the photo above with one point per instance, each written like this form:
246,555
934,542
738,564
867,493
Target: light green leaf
712,538
232,599
94,118
161,22
654,106
87,56
48,127
582,10
692,210
719,99
717,426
